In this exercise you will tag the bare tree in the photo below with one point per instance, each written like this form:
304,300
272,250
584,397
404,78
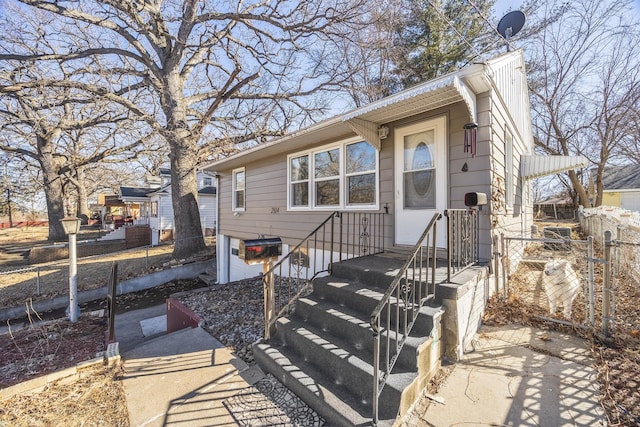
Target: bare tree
206,75
49,125
584,78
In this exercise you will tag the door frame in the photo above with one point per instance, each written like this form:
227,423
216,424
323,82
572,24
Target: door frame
411,219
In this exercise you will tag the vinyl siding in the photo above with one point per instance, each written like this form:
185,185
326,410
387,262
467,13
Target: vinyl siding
207,208
266,205
266,180
510,111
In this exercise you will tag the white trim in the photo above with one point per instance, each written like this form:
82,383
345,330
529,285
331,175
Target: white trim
234,204
623,190
342,204
509,176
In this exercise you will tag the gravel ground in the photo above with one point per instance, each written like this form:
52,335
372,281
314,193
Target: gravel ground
232,313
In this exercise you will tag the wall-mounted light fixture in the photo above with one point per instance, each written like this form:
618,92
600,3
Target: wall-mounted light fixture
383,132
470,131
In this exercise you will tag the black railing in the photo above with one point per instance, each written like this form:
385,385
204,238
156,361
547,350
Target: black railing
399,308
462,240
342,236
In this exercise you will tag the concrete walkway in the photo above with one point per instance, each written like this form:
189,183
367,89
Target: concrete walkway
180,379
517,376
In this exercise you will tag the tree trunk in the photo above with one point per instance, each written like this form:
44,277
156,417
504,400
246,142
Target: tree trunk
82,205
54,196
184,197
583,196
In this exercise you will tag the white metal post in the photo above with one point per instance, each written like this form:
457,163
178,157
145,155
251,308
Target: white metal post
73,279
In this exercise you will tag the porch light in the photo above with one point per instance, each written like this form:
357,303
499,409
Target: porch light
71,225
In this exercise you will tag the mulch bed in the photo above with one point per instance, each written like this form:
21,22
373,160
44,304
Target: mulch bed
41,348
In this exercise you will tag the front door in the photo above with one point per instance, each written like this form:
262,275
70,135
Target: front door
420,179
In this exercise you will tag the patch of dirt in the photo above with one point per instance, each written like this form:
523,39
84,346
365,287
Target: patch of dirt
96,399
37,348
45,347
18,240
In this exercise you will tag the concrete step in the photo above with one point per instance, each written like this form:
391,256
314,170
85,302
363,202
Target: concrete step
354,330
361,298
324,350
334,402
207,279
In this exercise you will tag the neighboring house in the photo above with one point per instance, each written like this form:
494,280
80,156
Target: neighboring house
381,173
621,187
557,207
151,205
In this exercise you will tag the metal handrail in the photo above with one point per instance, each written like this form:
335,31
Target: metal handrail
357,234
407,293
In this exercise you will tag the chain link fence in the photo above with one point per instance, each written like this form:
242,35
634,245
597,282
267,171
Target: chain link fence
592,282
617,234
554,276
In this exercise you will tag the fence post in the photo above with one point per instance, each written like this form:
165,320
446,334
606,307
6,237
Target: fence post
606,291
496,255
38,281
506,269
592,297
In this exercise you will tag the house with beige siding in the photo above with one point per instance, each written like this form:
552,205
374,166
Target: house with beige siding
403,156
390,208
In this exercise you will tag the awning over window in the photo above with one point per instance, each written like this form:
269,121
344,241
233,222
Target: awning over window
538,166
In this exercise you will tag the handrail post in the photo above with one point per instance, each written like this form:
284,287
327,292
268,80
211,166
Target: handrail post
269,298
449,244
340,248
376,374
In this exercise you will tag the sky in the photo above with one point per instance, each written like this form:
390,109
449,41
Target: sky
502,6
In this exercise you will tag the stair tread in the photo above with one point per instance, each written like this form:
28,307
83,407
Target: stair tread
358,356
347,314
323,351
316,383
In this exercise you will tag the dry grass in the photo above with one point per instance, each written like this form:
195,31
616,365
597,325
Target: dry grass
97,399
93,272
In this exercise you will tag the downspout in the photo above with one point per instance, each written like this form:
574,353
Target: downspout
218,243
159,218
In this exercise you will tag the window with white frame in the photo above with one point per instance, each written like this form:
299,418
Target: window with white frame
509,178
238,192
333,177
299,181
207,182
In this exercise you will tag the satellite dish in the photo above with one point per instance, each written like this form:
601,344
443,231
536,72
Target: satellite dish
510,24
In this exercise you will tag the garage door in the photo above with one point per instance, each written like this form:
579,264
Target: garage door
630,200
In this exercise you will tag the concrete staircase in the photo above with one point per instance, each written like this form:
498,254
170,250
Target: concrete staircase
323,352
117,234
